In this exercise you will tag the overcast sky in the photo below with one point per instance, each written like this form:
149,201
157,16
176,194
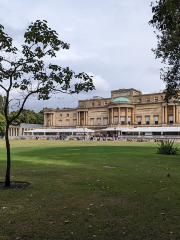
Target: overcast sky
109,39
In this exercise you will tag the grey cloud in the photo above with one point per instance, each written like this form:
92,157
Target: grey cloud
109,38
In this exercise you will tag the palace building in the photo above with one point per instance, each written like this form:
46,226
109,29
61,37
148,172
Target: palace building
127,108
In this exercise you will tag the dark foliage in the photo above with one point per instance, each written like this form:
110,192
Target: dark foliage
166,19
167,148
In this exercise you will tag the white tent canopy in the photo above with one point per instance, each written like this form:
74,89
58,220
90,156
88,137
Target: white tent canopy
64,130
153,129
112,129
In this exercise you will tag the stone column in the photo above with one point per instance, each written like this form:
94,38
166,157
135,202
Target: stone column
84,118
166,114
53,116
132,116
127,115
50,119
108,116
162,114
174,114
77,118
119,120
112,118
45,119
177,113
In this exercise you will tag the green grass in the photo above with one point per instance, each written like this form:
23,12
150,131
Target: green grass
72,196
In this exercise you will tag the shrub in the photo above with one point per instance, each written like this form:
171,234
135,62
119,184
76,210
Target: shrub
167,148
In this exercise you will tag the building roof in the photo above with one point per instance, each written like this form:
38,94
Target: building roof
30,125
121,99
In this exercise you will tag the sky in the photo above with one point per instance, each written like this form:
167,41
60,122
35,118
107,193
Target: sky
110,40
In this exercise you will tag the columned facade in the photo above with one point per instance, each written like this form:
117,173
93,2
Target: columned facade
125,108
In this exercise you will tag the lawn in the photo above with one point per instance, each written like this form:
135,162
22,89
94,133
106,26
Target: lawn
90,190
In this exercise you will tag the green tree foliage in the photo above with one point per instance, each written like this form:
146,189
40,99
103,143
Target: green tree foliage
27,116
166,19
167,148
2,125
2,104
25,71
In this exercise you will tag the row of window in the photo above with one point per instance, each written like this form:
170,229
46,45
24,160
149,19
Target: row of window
93,104
99,103
67,123
156,120
148,99
67,115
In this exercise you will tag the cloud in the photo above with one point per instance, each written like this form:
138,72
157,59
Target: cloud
101,85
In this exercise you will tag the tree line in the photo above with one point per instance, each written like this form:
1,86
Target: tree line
26,116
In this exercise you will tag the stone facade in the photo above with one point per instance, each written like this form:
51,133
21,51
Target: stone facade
125,108
16,131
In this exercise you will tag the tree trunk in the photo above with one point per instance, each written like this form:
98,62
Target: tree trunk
8,167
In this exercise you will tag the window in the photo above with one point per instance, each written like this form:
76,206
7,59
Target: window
116,120
67,123
83,121
99,103
147,120
105,121
122,120
139,120
92,104
74,115
98,121
67,114
156,120
129,120
92,121
105,103
139,100
147,99
82,103
170,119
74,123
155,98
60,115
60,123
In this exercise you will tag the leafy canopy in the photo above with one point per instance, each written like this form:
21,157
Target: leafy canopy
2,125
26,70
166,19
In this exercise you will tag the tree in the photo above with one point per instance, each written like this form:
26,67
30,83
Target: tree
27,116
24,71
166,19
2,104
2,125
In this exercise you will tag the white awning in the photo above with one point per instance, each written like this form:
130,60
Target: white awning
111,129
153,129
64,130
